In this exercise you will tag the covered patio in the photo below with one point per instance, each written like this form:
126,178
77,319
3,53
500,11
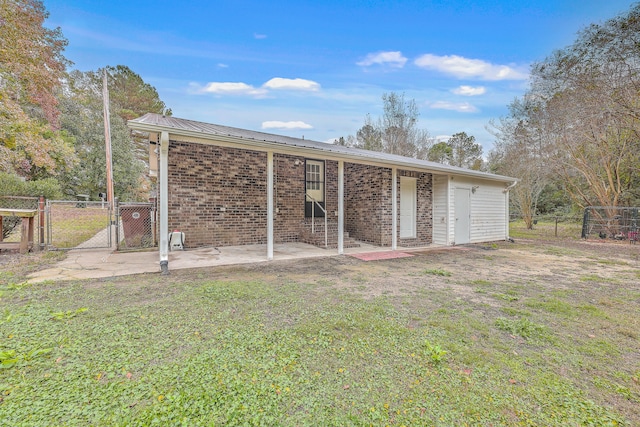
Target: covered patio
104,263
222,186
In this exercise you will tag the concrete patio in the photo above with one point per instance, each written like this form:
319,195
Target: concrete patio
101,263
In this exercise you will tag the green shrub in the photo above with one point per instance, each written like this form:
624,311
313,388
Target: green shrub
13,185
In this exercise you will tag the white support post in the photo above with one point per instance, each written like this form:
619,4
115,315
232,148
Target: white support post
340,207
448,239
270,205
394,209
164,203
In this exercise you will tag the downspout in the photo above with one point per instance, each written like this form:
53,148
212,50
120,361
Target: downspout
447,240
506,209
513,184
164,203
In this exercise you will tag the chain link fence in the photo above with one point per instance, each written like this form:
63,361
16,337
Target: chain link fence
137,226
78,225
82,224
547,227
611,222
11,230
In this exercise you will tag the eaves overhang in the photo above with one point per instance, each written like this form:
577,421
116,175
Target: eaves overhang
306,148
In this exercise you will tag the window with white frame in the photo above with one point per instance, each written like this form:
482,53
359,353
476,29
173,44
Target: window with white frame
314,187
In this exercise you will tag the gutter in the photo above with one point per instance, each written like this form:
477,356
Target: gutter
513,184
265,145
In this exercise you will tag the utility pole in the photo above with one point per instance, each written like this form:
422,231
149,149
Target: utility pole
107,140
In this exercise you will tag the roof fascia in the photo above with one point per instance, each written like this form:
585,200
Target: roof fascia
276,147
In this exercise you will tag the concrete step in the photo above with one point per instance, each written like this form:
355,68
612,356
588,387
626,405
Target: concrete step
317,238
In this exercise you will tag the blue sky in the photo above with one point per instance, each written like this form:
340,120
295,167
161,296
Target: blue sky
316,68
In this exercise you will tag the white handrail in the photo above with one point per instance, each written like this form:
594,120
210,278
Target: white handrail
313,220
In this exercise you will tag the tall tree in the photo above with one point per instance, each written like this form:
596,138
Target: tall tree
440,152
369,137
130,95
465,152
340,141
28,147
32,64
589,91
82,117
32,67
399,121
521,151
396,131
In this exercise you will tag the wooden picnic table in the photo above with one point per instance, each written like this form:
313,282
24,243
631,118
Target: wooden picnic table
26,237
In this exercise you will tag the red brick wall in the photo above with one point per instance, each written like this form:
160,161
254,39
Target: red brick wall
331,191
424,214
217,195
368,203
368,209
289,196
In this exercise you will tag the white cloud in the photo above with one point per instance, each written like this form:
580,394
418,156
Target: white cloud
464,107
279,83
275,124
469,68
469,90
244,89
392,59
221,65
231,88
259,36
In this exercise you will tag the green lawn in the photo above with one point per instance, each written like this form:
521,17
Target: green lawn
507,334
548,229
72,225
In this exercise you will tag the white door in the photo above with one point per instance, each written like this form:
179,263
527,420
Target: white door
462,210
408,202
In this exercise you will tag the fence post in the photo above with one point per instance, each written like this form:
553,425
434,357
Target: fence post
116,223
585,222
48,215
41,221
556,226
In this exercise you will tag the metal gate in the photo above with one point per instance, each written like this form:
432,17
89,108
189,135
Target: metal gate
78,225
137,226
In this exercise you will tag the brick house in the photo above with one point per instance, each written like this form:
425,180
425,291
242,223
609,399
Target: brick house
225,186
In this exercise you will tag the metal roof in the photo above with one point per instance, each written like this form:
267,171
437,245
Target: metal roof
151,122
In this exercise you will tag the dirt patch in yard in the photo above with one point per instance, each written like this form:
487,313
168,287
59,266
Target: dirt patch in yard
568,265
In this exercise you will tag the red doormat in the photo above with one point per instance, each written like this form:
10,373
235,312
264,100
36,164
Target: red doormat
375,256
